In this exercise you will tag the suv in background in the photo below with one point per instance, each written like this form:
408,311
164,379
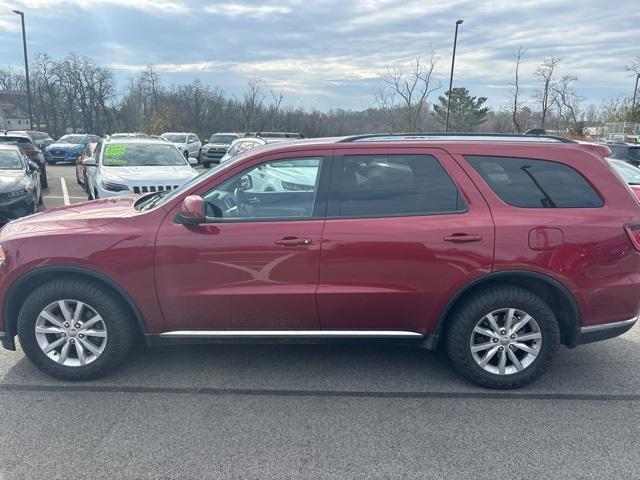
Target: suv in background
121,166
628,152
246,143
23,140
216,148
188,143
496,248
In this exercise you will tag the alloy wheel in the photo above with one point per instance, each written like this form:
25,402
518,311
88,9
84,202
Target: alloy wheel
505,341
71,333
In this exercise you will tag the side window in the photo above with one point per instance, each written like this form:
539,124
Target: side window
528,183
278,190
396,185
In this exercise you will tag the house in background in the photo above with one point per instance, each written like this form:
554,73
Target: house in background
12,117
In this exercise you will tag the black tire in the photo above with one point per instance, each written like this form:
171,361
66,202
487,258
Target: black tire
473,308
115,314
40,199
44,181
206,164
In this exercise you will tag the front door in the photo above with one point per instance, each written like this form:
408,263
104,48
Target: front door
405,230
254,264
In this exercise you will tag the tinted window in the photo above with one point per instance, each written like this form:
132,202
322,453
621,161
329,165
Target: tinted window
523,182
282,189
22,142
396,185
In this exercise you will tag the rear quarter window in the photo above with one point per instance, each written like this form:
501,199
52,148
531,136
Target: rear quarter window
530,183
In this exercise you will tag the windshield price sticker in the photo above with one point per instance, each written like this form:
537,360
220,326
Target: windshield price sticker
111,151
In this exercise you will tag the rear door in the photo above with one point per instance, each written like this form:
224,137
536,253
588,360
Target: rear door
405,230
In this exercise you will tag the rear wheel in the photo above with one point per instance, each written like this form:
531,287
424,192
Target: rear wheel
44,181
75,330
503,337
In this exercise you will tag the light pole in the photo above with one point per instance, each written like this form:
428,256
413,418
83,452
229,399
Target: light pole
633,103
26,66
453,61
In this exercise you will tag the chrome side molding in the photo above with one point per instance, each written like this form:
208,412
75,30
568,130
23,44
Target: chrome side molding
291,334
607,326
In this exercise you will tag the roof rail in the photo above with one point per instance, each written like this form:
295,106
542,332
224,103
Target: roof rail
504,137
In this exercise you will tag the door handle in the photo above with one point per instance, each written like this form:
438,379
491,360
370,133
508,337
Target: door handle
293,241
462,238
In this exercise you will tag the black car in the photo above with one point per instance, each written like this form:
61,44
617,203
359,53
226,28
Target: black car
20,190
629,153
27,146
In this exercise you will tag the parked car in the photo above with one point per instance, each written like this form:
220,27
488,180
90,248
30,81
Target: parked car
188,143
496,248
628,152
40,139
69,147
20,190
244,144
216,148
23,141
130,134
81,172
629,173
135,165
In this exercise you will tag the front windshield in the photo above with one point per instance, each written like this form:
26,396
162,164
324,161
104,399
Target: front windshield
173,138
10,160
629,173
72,139
142,155
222,138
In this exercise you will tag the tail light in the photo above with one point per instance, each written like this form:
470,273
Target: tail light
633,231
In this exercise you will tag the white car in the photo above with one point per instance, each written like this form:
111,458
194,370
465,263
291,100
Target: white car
243,144
135,165
187,142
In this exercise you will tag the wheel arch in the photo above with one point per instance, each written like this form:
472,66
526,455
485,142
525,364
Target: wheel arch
26,283
551,290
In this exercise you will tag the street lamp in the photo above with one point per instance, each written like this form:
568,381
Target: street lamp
26,65
453,60
633,104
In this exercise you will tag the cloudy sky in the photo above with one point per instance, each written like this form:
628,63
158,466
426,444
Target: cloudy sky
331,53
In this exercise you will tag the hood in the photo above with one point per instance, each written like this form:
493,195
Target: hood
144,174
12,180
65,146
80,216
178,144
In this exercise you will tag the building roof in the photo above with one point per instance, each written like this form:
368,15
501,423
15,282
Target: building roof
10,110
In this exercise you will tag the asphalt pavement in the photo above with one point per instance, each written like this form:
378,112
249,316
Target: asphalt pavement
318,411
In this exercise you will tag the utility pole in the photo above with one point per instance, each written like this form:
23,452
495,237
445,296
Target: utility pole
26,66
453,61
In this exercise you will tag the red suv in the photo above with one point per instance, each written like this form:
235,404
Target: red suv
496,248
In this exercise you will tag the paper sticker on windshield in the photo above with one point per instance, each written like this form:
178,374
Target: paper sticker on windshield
112,151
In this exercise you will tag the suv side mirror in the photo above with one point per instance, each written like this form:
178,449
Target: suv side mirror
33,166
90,162
192,211
192,161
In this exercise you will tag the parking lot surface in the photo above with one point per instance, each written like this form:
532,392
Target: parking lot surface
318,411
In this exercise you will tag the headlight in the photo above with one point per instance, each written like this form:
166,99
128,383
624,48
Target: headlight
114,187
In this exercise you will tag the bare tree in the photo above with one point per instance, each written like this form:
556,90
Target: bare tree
516,93
277,101
404,95
251,103
546,93
568,102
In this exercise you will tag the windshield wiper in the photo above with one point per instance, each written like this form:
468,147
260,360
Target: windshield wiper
151,200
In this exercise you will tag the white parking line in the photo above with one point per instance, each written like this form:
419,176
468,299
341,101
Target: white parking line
65,193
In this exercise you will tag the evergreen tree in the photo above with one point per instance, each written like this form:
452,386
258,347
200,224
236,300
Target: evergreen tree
466,112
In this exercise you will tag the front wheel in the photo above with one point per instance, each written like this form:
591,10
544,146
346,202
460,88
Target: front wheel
502,337
44,181
75,330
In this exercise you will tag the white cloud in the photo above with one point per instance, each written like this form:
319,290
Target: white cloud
243,10
154,7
